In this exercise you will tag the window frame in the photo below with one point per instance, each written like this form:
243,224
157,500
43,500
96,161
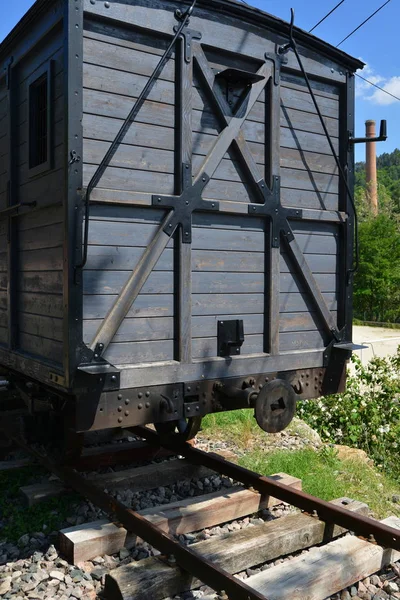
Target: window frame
47,70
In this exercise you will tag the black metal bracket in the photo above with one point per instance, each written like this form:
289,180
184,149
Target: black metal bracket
279,59
188,35
184,206
382,137
273,209
100,369
230,337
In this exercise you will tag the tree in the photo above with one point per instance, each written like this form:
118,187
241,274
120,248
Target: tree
377,282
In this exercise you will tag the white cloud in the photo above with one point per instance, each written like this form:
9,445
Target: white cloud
392,86
367,92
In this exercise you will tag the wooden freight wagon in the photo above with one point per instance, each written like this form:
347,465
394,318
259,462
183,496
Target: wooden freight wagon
172,240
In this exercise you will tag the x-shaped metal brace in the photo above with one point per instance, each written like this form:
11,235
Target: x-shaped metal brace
184,206
278,214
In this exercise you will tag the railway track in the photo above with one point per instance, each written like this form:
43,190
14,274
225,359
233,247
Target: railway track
215,564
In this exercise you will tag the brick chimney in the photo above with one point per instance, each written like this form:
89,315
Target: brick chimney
372,188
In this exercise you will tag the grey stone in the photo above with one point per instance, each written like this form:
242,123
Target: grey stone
98,573
345,595
353,591
396,498
390,587
124,553
5,585
24,540
57,575
375,580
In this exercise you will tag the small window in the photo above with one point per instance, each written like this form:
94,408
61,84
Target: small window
40,122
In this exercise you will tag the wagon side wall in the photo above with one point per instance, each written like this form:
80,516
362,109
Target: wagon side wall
33,176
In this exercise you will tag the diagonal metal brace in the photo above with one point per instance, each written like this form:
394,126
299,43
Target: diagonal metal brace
183,207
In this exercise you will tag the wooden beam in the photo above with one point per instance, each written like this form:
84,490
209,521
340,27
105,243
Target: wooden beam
8,465
234,552
84,542
325,571
138,478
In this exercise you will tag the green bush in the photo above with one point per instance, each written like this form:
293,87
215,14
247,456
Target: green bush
367,415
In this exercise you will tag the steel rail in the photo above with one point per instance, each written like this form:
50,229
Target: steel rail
359,524
201,568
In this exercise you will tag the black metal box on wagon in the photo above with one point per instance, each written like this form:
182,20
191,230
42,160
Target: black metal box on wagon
175,236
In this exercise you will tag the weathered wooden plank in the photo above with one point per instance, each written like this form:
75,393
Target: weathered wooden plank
40,346
161,282
236,552
160,328
318,263
309,199
326,570
310,161
300,321
41,325
294,302
96,307
41,282
84,542
41,260
44,188
138,478
50,215
50,305
208,347
49,236
128,353
302,340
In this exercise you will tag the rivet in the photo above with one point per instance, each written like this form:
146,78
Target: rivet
113,378
140,405
188,408
92,1
147,394
332,70
126,413
119,419
188,388
119,396
266,379
213,205
140,395
127,401
262,185
147,405
170,225
197,408
107,4
119,408
203,178
187,202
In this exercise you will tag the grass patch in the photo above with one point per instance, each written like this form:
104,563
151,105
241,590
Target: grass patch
324,475
322,472
16,519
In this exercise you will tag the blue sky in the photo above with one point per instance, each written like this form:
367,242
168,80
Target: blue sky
375,44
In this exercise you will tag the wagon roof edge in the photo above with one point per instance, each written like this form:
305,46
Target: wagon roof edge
252,14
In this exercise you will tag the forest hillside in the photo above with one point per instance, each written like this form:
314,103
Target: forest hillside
377,282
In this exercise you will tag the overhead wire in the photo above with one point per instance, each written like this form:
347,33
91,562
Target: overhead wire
363,23
378,87
326,16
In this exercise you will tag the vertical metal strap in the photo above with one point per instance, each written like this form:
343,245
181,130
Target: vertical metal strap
272,169
183,170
